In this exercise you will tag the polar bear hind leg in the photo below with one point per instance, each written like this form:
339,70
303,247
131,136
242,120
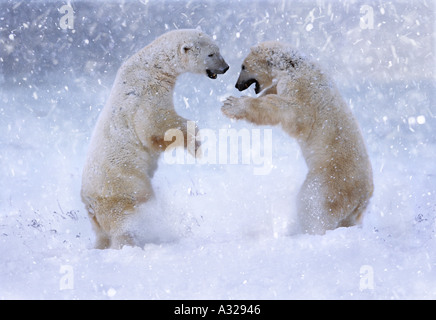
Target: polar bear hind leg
320,209
110,219
355,217
103,240
312,213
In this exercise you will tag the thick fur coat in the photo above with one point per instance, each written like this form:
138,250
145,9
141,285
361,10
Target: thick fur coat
129,135
297,95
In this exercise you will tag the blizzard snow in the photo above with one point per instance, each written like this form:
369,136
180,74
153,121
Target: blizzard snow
217,231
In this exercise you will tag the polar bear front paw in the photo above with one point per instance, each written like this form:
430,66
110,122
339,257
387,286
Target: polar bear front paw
235,108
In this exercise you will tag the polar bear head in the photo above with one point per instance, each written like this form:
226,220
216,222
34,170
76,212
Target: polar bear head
199,54
264,62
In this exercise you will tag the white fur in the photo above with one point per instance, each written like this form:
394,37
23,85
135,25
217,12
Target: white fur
129,135
301,98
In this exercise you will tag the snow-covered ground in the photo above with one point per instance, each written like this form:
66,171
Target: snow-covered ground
216,231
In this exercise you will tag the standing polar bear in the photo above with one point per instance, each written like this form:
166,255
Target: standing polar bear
129,134
301,98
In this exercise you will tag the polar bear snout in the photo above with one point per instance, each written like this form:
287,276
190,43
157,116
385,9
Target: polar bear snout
247,78
224,69
212,73
215,64
242,85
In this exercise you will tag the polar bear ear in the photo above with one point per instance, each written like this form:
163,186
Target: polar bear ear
185,48
255,49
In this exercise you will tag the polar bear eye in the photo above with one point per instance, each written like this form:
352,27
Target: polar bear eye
211,55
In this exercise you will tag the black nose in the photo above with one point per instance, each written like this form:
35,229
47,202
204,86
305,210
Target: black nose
223,69
243,85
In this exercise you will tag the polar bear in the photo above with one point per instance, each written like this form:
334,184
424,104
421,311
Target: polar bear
129,134
300,97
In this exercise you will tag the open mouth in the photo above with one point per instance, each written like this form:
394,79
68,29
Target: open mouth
211,74
247,84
